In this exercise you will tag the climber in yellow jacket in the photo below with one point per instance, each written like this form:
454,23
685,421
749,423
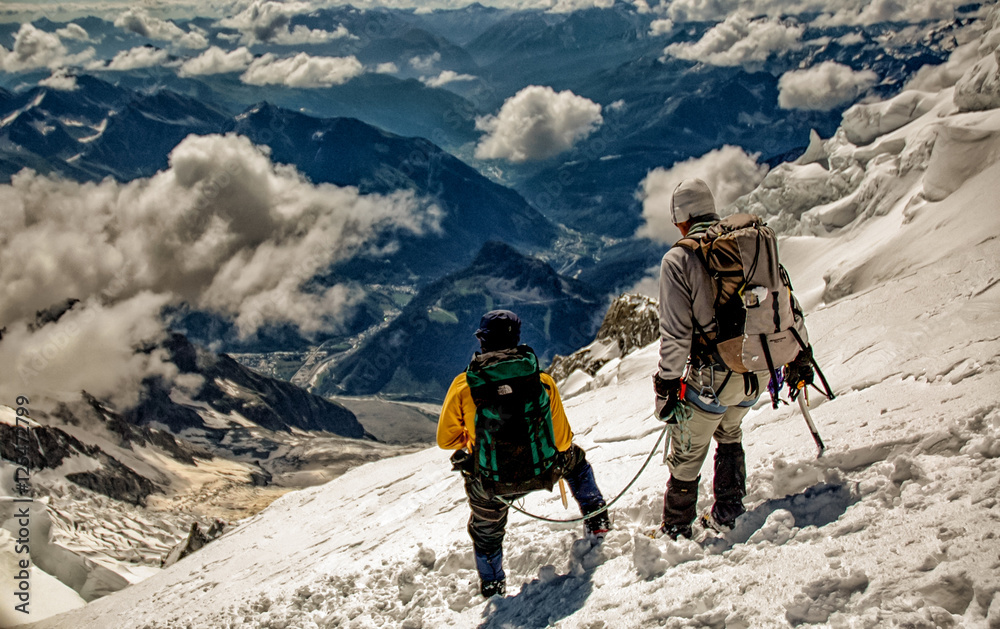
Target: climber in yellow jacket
530,394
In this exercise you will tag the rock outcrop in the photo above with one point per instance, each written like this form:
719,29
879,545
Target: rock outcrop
47,447
196,540
631,322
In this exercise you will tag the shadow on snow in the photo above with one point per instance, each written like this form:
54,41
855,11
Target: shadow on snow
817,506
540,603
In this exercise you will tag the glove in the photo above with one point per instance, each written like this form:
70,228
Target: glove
799,373
461,461
669,400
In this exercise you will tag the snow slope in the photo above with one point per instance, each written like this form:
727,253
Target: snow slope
897,525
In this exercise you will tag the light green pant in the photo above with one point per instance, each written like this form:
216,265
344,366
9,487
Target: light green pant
719,418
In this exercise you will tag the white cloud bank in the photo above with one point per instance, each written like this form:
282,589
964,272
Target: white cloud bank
844,11
740,41
878,11
268,21
729,171
823,86
138,21
215,60
446,77
426,62
660,27
832,12
302,70
222,229
34,49
537,123
134,59
60,79
73,31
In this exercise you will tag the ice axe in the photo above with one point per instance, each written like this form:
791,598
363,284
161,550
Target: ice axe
562,493
804,405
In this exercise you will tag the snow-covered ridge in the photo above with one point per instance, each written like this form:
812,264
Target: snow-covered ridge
896,526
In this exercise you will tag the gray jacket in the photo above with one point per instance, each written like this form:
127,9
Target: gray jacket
685,295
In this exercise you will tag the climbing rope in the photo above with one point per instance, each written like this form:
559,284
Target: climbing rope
605,507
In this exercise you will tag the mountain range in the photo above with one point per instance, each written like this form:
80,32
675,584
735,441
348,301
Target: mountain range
393,127
419,353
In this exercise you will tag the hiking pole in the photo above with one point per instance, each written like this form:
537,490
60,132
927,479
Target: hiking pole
804,405
562,493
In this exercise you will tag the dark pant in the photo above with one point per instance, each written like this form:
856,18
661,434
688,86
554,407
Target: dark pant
729,487
489,515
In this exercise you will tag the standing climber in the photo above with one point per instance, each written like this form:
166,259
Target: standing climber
698,393
506,421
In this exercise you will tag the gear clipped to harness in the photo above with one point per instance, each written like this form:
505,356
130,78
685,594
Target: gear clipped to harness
514,451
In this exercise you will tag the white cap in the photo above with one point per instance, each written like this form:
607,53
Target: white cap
691,198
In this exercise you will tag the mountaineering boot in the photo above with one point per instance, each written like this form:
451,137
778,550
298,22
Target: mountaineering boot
729,484
598,525
679,506
490,588
492,579
673,531
709,523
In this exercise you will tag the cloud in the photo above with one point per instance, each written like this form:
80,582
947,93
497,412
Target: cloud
568,6
537,123
425,63
302,70
446,77
831,12
700,10
90,348
880,11
33,49
141,23
677,10
73,31
823,87
740,41
305,35
661,27
268,21
387,68
217,61
60,80
850,39
729,171
222,229
134,59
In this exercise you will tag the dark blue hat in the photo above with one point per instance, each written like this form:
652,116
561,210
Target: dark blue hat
499,329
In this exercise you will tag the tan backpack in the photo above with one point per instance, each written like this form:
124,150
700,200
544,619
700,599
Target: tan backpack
759,324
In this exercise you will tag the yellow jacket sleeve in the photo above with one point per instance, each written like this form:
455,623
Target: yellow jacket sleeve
560,424
457,423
